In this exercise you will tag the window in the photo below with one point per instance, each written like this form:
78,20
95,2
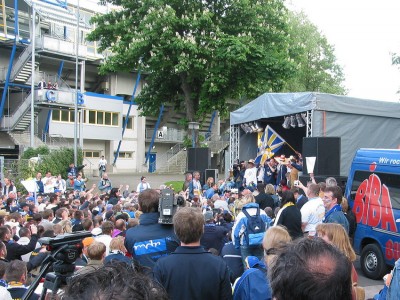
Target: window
91,154
108,119
115,119
130,122
56,115
102,117
89,117
124,154
92,117
63,116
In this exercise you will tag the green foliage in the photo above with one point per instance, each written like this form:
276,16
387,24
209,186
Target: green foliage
317,69
175,185
56,161
35,152
197,54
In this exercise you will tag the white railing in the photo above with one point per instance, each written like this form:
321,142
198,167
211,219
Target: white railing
171,158
170,135
60,45
39,75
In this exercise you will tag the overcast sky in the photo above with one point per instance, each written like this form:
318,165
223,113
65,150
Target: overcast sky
364,33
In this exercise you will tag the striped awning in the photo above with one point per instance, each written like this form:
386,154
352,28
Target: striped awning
57,13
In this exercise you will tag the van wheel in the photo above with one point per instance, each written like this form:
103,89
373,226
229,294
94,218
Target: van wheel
372,262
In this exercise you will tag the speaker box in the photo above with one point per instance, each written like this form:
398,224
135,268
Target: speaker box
199,159
327,153
211,173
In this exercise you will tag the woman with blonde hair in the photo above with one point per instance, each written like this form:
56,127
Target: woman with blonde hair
336,235
239,203
66,226
270,190
274,238
117,251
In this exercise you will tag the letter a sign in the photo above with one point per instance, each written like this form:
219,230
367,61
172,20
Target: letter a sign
160,134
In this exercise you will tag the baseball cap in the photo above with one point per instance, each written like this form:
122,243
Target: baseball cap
87,241
208,215
109,215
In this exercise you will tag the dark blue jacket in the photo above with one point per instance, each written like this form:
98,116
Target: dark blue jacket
117,257
193,273
214,237
253,284
233,258
149,241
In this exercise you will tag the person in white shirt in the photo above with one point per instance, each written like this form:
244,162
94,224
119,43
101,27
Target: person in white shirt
143,185
250,175
313,211
102,165
48,183
60,184
107,229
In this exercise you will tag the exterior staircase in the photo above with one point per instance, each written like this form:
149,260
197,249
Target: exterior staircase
23,139
22,68
174,161
20,119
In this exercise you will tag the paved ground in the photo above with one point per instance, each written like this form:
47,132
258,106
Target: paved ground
372,287
133,179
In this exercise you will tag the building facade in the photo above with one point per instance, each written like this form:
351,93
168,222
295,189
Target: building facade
49,63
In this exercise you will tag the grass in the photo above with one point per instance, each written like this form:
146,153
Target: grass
176,185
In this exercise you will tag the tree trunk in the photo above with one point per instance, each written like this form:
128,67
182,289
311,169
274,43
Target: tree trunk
190,108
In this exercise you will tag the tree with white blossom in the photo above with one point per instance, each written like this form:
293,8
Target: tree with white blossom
197,54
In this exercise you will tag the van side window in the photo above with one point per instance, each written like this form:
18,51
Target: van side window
392,181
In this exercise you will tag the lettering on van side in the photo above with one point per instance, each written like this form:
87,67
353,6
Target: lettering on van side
392,250
391,161
372,205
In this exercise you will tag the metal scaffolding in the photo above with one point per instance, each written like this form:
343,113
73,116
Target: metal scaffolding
234,147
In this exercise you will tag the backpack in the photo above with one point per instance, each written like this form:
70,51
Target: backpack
255,228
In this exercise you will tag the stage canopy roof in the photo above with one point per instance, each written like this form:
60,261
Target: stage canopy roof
271,105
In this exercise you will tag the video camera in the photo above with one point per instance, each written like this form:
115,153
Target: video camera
168,205
66,247
64,250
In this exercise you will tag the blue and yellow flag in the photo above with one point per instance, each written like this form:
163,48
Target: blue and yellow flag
268,144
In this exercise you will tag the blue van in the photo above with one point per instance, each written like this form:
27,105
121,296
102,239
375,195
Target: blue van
373,191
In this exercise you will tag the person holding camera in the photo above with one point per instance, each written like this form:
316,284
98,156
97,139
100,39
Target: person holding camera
149,240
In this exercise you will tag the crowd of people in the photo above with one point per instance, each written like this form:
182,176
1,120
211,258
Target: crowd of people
259,234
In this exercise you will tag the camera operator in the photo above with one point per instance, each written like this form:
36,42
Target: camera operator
14,250
150,240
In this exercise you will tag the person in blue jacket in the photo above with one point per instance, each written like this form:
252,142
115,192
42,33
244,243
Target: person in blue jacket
149,240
